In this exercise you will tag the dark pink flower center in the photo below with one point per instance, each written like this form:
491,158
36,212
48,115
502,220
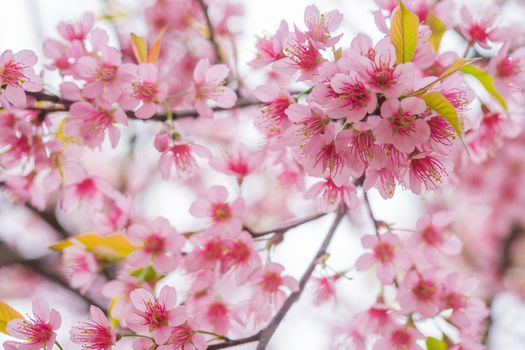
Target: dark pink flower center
330,159
145,91
36,330
240,252
221,212
87,188
478,32
382,75
432,236
106,73
508,67
455,301
403,124
92,336
354,94
180,336
384,252
402,339
155,315
271,281
12,73
304,55
213,250
428,170
424,290
154,244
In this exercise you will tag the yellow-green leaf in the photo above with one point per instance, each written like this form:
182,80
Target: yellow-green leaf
456,66
112,319
487,81
441,105
403,33
110,247
154,50
140,48
7,313
437,28
435,344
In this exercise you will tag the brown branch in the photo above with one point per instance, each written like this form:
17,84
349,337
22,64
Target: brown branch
230,343
268,332
42,267
211,31
62,105
285,228
377,223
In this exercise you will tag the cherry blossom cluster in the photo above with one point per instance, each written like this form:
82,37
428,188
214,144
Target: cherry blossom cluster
336,117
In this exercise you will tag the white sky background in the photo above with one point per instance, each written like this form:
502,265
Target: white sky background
24,23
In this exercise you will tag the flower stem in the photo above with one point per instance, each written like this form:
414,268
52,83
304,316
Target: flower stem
218,336
58,345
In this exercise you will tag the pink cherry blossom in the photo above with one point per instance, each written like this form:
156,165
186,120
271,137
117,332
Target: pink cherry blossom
90,123
270,49
330,196
400,338
324,289
77,31
38,331
17,75
208,85
146,92
159,245
377,66
402,124
184,337
269,293
321,25
433,238
155,316
387,253
273,119
238,161
95,334
216,208
81,267
481,27
420,292
178,153
426,171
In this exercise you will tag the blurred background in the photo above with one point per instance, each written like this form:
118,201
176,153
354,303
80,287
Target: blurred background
24,24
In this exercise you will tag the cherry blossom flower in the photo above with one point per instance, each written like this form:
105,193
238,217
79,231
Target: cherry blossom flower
147,93
17,75
208,85
330,196
419,292
155,316
426,171
402,125
386,253
433,238
400,338
324,289
38,331
238,161
270,291
178,153
481,28
217,209
321,25
273,119
81,267
79,188
95,334
184,337
270,49
376,65
91,123
77,31
159,245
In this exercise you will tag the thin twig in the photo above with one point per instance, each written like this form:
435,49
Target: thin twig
268,332
211,31
230,343
376,222
285,228
62,105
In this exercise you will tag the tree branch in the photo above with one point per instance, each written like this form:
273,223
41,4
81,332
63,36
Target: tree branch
230,343
268,332
285,228
377,223
211,31
62,105
42,267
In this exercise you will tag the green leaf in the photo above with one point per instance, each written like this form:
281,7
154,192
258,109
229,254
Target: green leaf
139,47
7,313
454,67
112,247
403,33
487,81
146,274
441,105
435,344
438,28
